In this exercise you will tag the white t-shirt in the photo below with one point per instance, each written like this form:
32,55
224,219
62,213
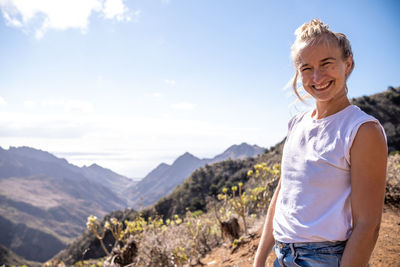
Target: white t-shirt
314,200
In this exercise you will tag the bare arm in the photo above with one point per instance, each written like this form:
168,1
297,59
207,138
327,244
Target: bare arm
368,177
267,240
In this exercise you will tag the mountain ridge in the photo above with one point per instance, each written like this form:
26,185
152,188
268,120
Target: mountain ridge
164,178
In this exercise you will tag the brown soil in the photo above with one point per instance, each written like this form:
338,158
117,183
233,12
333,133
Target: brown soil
386,253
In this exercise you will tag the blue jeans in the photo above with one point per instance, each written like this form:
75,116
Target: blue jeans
313,254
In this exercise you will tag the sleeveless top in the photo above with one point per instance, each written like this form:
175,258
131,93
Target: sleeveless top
313,204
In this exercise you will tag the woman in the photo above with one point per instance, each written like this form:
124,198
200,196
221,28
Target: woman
327,208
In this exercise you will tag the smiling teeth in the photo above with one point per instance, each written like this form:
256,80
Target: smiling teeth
322,86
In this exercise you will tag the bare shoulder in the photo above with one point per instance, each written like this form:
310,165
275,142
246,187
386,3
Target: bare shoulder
371,129
369,137
369,149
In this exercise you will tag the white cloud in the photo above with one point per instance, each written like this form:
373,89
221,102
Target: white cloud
170,82
11,21
2,101
42,15
183,106
115,9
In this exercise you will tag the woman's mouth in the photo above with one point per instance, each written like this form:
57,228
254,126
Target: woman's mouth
322,86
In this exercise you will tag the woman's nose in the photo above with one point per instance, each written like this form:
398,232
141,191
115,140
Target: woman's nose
318,76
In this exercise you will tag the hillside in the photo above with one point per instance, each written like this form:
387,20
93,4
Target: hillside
44,200
7,257
116,182
205,183
385,107
162,180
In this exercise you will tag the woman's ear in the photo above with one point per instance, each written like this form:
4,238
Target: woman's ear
349,65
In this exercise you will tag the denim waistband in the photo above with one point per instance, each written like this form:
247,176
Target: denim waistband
325,253
311,245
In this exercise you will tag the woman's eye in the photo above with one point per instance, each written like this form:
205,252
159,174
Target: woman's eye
302,70
326,63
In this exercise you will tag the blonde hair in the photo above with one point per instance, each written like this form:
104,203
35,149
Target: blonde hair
314,32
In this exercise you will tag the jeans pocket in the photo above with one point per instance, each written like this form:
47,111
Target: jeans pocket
294,260
312,259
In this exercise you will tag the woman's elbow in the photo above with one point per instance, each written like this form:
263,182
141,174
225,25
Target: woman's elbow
369,228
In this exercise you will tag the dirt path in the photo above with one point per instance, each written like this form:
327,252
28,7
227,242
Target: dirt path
386,253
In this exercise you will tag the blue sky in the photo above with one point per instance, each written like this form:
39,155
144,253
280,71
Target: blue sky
131,84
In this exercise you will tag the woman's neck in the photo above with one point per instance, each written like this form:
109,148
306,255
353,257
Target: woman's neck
327,108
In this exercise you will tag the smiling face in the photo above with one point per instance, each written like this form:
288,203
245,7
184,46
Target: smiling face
323,71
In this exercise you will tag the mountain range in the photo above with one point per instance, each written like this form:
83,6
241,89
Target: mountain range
44,200
164,178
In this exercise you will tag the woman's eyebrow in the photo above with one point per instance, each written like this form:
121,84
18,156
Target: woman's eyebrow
322,60
328,58
303,65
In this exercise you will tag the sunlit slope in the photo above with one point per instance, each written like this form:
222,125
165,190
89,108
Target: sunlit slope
44,201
